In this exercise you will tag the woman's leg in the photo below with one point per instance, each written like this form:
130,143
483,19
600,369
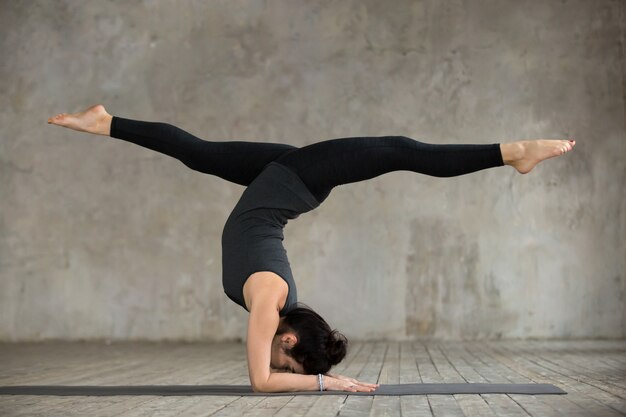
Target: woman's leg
324,165
235,161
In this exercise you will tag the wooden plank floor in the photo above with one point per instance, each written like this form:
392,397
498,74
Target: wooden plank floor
592,372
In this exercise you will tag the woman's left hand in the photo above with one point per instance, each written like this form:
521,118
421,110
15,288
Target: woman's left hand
353,381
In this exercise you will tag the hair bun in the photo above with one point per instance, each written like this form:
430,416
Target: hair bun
336,347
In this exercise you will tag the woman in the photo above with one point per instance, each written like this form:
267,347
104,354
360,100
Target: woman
289,346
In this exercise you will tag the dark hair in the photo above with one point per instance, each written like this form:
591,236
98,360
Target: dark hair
318,347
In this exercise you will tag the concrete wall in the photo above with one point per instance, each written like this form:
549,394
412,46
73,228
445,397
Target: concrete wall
103,239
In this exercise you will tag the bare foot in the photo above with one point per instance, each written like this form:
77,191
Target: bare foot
524,155
93,120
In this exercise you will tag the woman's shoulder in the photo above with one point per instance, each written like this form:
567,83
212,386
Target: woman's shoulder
265,284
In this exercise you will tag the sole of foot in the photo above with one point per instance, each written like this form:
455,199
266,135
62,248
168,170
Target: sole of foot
527,154
95,119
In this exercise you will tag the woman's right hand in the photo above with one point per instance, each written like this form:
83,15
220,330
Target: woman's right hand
352,385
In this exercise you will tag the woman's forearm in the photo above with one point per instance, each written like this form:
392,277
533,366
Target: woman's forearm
281,382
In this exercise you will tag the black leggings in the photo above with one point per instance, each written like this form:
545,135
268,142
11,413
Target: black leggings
321,166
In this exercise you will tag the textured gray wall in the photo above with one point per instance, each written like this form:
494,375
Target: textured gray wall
103,239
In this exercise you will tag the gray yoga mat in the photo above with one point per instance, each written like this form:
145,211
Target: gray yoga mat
181,390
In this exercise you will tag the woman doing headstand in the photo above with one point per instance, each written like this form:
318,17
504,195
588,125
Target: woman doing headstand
289,346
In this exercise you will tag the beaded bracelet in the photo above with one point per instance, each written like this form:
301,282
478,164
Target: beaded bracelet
320,380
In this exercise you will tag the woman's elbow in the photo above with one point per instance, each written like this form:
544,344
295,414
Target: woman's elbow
259,386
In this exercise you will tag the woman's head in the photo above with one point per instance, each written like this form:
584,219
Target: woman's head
305,343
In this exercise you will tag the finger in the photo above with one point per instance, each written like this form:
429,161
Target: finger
359,388
367,384
365,389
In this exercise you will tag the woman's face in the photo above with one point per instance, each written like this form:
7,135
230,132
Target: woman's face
280,361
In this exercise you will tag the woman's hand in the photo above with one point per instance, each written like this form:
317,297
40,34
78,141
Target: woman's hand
343,383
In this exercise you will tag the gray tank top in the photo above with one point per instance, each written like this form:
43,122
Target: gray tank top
252,239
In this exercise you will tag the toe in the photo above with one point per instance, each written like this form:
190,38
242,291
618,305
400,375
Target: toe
566,146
